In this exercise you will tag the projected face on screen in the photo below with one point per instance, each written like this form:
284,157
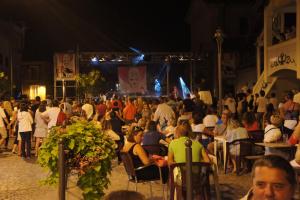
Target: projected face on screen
133,77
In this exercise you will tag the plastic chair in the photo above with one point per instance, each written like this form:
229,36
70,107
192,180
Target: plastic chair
133,172
246,146
200,181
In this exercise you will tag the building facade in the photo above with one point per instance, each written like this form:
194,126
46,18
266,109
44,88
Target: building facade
11,49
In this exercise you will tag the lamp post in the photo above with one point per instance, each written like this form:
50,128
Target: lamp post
219,40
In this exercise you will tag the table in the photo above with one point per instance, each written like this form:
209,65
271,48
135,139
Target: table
280,145
224,141
275,145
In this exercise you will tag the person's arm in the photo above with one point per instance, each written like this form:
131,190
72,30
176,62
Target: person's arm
140,152
204,156
296,135
171,158
4,116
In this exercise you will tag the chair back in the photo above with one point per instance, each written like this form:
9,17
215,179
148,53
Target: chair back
256,136
156,149
128,164
200,180
246,146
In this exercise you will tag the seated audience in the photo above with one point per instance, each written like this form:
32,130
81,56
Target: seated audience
249,121
219,130
152,136
211,118
177,148
139,156
198,127
235,132
107,128
273,178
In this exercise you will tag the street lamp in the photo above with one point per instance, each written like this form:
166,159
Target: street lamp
219,40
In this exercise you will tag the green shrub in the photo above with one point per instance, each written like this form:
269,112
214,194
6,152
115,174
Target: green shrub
90,152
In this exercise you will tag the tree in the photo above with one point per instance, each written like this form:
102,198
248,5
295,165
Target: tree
89,83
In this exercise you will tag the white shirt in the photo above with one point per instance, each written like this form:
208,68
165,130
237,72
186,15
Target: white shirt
89,110
2,115
199,128
52,114
25,121
261,104
272,133
210,120
163,112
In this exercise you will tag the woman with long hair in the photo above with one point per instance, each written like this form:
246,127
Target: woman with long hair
41,127
25,121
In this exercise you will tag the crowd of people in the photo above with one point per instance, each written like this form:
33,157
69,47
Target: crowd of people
137,123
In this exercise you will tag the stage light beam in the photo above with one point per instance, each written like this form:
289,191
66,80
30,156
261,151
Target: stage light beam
184,88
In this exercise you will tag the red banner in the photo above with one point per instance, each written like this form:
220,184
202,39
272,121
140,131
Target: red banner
133,79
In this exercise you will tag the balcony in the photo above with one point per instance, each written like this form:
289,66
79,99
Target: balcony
282,56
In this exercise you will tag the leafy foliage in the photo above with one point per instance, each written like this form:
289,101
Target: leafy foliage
90,152
89,83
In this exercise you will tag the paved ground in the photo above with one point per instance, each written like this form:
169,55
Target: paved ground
19,179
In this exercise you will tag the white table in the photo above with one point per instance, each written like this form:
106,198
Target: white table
223,140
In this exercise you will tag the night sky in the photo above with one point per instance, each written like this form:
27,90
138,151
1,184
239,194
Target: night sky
98,25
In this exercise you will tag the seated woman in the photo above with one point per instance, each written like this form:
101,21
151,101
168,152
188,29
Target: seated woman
219,130
152,136
177,148
177,154
139,156
249,121
107,128
273,134
235,132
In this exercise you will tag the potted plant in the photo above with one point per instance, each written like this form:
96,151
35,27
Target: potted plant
90,152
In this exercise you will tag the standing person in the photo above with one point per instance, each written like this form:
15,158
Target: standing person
163,113
88,108
3,121
101,109
231,103
36,103
25,128
116,125
261,103
8,110
129,112
290,113
50,115
242,105
41,127
273,100
273,178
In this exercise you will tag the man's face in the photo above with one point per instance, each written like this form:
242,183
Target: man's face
271,184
